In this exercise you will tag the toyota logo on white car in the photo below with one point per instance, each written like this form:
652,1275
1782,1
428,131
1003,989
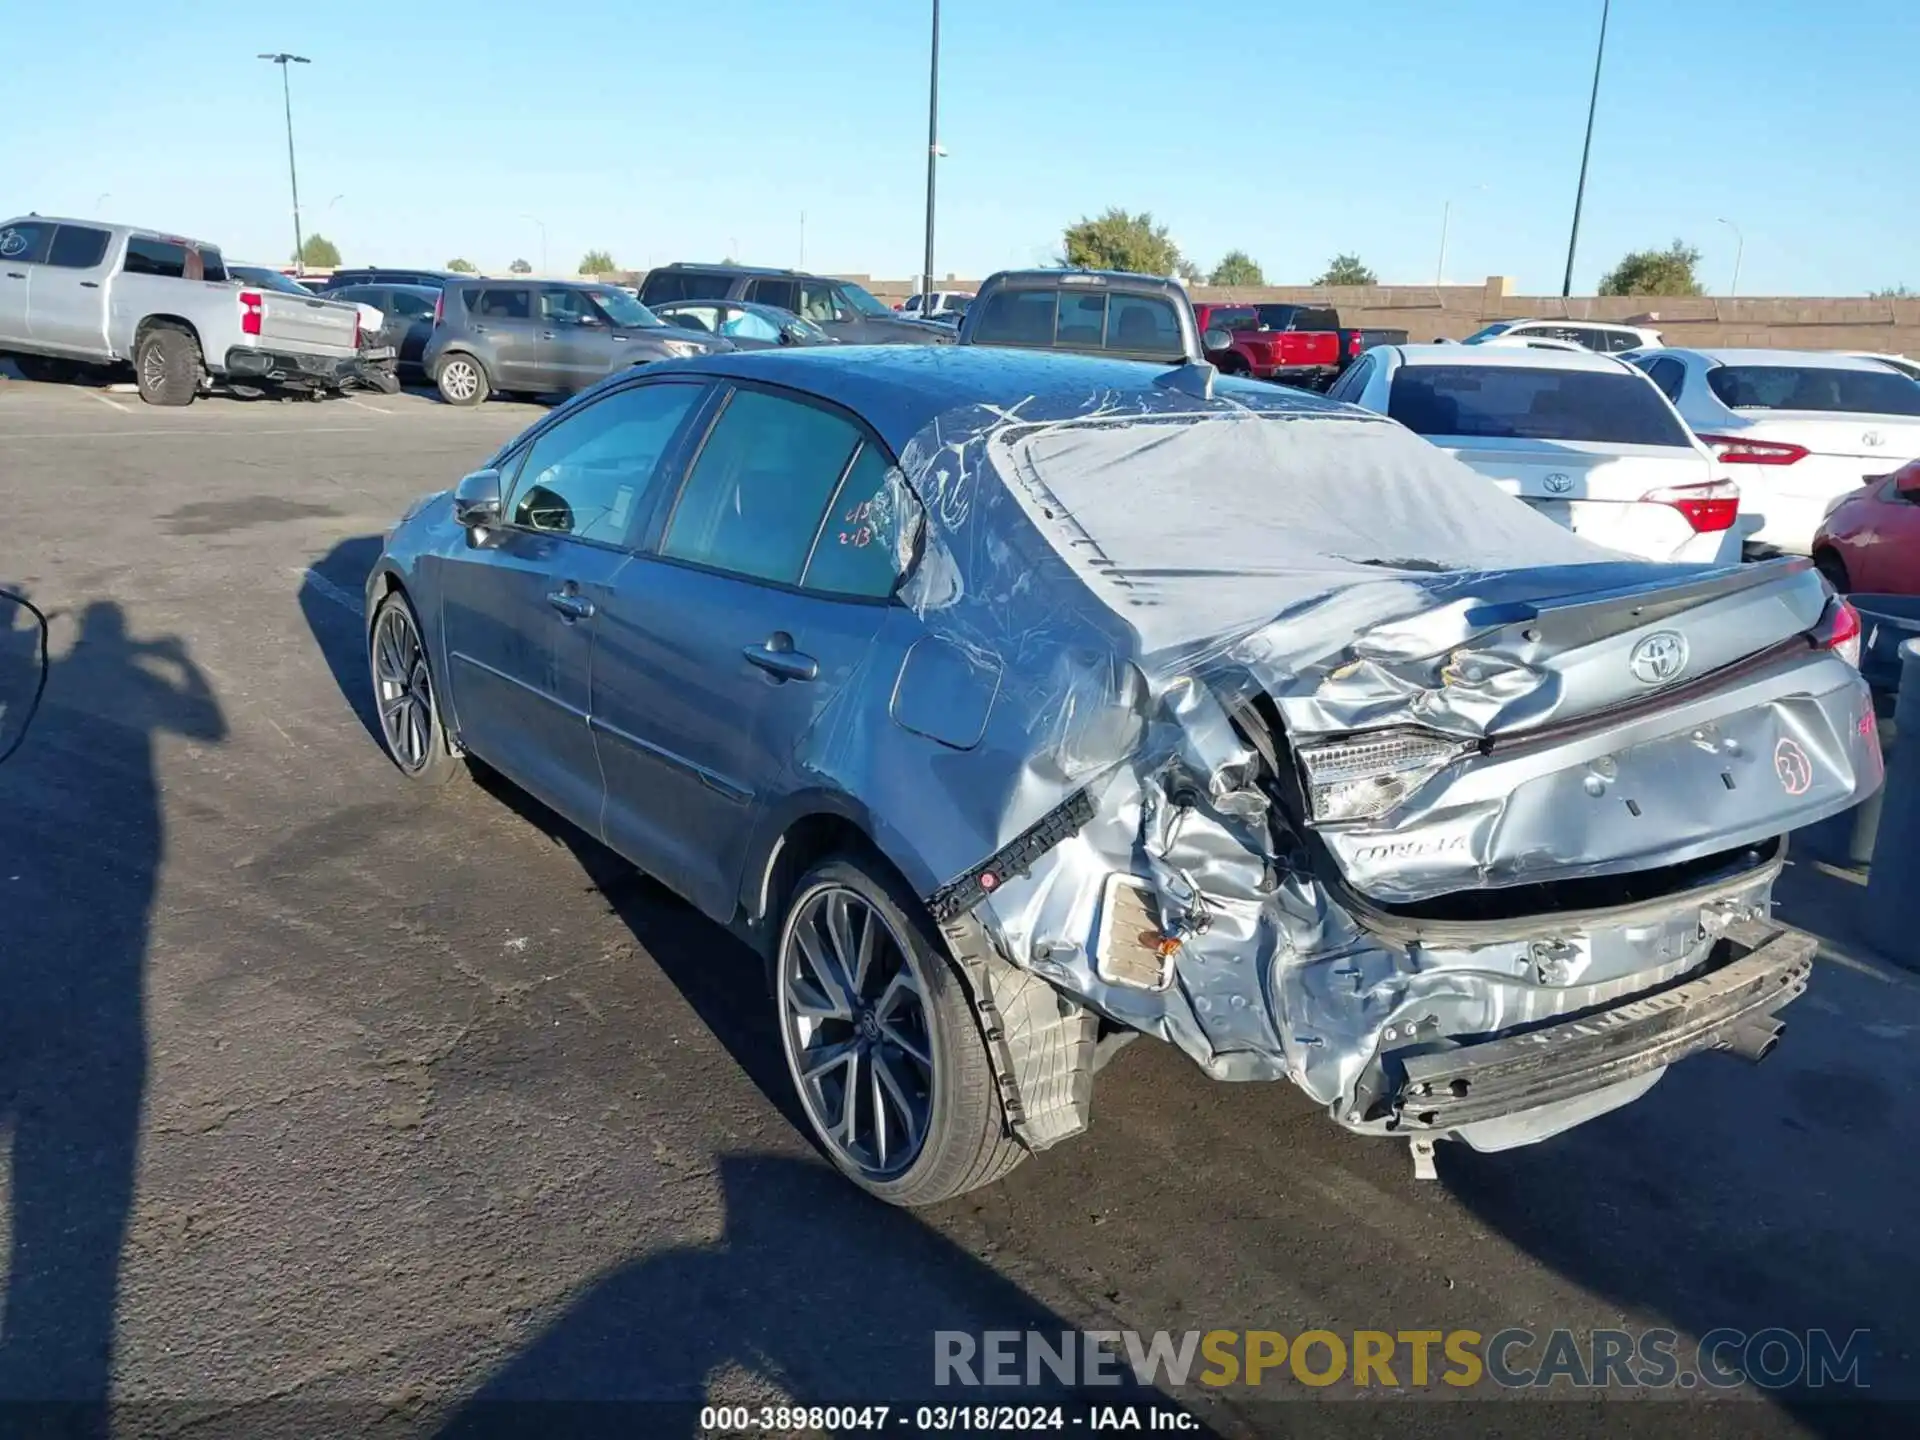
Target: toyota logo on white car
1873,439
1659,658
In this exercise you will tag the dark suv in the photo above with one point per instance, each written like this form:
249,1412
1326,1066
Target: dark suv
1096,312
841,308
543,337
377,275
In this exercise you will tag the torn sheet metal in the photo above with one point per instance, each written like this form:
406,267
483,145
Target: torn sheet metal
1157,605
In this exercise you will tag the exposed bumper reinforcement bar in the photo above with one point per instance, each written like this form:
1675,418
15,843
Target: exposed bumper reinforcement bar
1729,1008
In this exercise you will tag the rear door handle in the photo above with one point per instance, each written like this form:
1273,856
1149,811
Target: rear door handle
15,275
779,659
89,284
571,603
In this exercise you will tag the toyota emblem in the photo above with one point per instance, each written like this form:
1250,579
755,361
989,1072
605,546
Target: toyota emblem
1559,483
1873,439
1659,658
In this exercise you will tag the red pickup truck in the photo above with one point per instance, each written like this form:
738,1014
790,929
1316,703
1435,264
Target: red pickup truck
1303,345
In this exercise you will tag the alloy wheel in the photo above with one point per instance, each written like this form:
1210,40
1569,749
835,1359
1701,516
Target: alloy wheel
854,1022
460,379
153,367
403,688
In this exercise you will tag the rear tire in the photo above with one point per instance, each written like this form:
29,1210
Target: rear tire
406,697
462,379
167,366
908,1042
1834,571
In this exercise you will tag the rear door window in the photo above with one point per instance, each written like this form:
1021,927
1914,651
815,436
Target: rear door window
25,241
588,476
156,257
77,247
757,496
858,549
213,265
1810,387
818,302
1498,403
784,293
408,306
504,303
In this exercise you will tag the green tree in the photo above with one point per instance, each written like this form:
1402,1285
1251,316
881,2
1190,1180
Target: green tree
318,250
1347,270
1189,272
1236,267
596,262
1893,292
462,267
1655,272
1118,240
520,267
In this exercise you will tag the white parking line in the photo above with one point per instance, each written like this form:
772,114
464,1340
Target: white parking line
110,404
327,590
362,405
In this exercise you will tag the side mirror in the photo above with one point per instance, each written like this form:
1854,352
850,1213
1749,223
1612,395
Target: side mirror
477,500
791,334
1217,339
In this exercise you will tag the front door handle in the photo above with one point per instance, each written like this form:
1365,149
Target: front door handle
779,659
571,603
89,284
16,275
546,334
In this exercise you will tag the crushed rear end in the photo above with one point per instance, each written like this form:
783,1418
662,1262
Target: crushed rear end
1463,825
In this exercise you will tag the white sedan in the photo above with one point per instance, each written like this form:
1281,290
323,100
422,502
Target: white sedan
1585,438
1805,427
1602,337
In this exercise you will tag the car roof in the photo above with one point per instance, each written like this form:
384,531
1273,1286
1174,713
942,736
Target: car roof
497,281
1803,359
1567,320
900,389
1508,357
1073,277
147,231
721,267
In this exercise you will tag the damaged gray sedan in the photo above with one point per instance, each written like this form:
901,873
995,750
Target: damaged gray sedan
1018,705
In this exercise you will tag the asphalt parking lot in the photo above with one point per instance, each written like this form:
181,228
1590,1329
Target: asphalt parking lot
322,1090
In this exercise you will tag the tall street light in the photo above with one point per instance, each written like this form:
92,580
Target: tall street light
1573,240
283,59
1739,251
933,148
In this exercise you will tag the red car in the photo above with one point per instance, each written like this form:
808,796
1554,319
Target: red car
1870,544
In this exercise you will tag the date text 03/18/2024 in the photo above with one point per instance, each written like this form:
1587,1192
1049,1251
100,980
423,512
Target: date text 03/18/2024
719,1420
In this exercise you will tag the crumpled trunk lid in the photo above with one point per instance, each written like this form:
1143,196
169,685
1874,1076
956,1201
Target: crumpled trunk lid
1661,720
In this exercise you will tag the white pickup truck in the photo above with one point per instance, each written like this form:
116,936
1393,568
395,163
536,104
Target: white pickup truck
75,294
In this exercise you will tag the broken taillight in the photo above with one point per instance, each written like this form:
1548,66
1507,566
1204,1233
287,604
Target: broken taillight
1364,776
1839,631
1709,507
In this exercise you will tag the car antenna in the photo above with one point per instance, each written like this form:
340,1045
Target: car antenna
1194,378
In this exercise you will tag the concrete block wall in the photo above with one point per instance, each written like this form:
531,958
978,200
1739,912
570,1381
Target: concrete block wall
1431,312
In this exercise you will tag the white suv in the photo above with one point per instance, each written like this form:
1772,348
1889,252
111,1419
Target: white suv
1595,335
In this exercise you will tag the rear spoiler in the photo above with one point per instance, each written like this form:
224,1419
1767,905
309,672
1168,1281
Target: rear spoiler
1583,616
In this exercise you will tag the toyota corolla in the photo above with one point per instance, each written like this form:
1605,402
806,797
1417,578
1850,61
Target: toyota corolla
1018,705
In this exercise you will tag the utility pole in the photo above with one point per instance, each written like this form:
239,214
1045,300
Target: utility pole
1739,253
933,149
1440,270
283,59
1580,194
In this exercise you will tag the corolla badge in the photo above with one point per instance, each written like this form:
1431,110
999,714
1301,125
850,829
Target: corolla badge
1873,439
1659,658
1558,483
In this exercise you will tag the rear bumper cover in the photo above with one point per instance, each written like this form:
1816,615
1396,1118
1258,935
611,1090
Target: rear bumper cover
1444,1090
284,367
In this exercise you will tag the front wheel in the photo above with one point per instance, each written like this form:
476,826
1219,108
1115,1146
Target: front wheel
883,1042
403,690
462,380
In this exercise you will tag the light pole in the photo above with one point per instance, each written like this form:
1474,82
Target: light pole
1446,214
1739,251
1580,194
543,239
803,239
933,148
283,59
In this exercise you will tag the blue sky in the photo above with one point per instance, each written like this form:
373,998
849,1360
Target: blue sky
1291,130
